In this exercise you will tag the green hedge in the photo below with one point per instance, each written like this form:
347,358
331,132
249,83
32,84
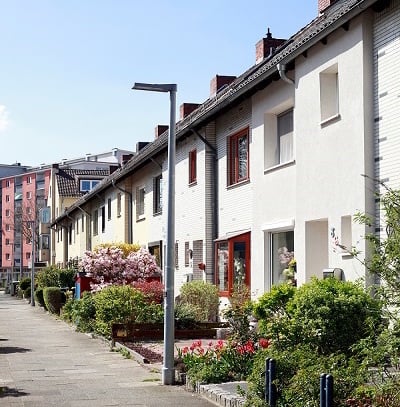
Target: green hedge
24,283
53,299
118,304
203,298
39,297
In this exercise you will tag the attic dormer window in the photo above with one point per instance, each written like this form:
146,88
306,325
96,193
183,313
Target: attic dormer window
88,184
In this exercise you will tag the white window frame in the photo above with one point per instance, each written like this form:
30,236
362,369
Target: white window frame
92,183
329,94
140,202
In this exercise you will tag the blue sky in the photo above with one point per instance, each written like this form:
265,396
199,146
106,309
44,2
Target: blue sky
67,66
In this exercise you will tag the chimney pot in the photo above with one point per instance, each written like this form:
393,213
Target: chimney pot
187,108
160,129
324,4
266,45
218,82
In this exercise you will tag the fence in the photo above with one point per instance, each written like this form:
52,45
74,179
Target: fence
270,393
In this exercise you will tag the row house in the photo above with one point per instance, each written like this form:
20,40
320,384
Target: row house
272,167
32,196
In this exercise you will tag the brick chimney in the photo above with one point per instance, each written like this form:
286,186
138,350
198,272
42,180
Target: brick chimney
187,108
324,4
266,45
218,82
160,129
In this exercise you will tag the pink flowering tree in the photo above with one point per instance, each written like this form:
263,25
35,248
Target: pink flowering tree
109,266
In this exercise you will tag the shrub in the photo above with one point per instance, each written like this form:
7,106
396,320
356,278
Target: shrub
238,315
218,362
83,313
24,283
298,373
185,316
53,299
48,277
39,297
27,292
118,304
152,290
328,315
204,299
66,278
126,248
110,266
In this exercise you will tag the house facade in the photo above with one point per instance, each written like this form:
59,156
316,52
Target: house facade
273,166
32,196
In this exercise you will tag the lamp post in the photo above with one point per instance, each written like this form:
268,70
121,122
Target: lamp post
33,226
168,371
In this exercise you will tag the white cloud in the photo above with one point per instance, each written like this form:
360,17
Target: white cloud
3,118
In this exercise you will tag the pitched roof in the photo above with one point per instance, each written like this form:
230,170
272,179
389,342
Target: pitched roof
68,180
254,79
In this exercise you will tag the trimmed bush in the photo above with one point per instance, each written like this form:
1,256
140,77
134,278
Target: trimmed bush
39,297
27,292
83,312
203,298
118,304
327,315
66,278
24,283
53,299
48,277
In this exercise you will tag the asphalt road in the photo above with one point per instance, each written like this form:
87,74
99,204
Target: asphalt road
45,362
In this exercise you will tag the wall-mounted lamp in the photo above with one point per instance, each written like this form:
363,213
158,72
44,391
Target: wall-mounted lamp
202,266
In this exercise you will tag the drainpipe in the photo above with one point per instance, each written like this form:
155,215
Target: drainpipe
282,73
130,234
214,198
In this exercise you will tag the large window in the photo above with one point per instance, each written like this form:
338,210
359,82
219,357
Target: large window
157,194
140,194
281,253
192,166
238,157
329,93
233,263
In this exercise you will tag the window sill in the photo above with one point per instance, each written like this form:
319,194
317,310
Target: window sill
346,255
141,219
279,166
157,213
193,183
238,184
330,120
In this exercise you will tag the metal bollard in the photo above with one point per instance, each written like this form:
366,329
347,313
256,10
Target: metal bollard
326,390
270,387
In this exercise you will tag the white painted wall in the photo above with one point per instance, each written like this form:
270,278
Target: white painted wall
324,184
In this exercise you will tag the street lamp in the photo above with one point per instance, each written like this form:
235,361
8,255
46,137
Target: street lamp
168,371
33,226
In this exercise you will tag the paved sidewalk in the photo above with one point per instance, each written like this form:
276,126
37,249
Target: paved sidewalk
44,362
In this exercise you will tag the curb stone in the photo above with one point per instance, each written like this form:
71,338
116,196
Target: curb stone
223,394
